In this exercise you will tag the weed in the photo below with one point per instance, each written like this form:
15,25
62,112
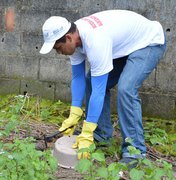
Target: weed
96,167
18,158
21,160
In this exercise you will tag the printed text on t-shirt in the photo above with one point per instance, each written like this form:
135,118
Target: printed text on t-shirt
93,21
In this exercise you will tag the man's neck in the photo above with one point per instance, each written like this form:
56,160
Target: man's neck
78,39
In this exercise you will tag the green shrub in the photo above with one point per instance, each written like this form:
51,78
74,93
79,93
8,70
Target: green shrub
21,160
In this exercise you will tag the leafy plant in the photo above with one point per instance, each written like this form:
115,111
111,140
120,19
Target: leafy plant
96,167
21,160
18,157
161,140
147,169
156,136
29,107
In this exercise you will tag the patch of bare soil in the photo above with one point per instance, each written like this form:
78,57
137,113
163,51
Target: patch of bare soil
39,129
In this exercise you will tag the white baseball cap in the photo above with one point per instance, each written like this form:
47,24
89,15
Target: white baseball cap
53,29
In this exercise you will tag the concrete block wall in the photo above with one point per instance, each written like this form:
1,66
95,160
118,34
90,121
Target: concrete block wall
23,69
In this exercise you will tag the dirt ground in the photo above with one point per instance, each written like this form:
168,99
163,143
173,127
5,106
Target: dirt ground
38,129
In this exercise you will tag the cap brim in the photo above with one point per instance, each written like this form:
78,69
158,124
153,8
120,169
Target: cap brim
47,47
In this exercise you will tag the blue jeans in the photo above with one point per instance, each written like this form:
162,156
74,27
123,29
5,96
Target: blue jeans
128,73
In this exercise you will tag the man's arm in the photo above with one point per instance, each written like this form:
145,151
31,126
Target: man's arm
78,91
97,97
78,84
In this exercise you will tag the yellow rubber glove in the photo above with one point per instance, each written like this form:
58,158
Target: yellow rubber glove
85,139
72,121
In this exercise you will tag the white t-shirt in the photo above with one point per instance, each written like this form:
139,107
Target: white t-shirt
112,34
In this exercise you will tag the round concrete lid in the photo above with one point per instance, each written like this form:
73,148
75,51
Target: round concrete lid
64,153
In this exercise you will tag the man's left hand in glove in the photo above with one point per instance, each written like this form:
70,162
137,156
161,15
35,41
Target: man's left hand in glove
85,139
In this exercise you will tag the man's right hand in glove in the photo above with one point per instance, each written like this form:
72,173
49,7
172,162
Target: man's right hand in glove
71,123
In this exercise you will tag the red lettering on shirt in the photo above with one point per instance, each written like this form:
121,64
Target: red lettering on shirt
90,22
93,21
96,20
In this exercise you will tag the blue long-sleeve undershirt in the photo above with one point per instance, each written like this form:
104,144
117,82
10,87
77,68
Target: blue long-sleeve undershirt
97,97
78,84
98,91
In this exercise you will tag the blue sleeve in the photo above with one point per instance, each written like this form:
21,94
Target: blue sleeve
97,97
78,84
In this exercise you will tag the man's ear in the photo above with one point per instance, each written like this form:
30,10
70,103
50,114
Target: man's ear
69,37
